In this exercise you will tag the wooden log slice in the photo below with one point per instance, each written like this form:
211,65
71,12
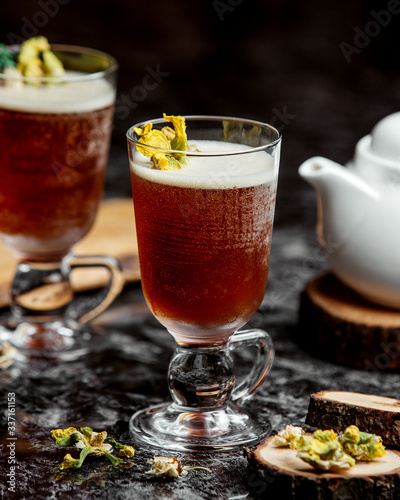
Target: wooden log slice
375,414
338,325
113,233
277,473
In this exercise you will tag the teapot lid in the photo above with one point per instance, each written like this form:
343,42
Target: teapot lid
385,138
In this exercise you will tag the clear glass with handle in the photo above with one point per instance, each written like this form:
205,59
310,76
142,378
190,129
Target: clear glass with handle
204,235
55,140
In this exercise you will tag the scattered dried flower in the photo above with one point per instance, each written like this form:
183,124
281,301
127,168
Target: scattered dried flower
361,445
90,443
327,451
166,467
288,435
123,451
169,467
323,451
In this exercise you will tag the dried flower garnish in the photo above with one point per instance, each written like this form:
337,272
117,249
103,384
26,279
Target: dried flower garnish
167,138
361,445
90,443
123,451
166,467
288,435
327,451
7,355
179,141
37,60
323,451
169,467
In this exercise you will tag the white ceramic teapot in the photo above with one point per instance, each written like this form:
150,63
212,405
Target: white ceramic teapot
359,213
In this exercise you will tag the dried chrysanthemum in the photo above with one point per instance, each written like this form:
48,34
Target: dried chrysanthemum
179,141
74,463
337,463
288,435
90,443
165,139
169,467
166,467
123,451
37,60
361,445
64,437
327,451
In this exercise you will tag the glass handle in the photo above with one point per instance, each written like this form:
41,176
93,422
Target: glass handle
246,389
91,308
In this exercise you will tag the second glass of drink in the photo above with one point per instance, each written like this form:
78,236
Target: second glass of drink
55,139
204,235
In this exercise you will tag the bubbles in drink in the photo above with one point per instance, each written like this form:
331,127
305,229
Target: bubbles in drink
204,236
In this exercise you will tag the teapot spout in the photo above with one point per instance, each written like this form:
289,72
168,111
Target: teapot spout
344,200
330,178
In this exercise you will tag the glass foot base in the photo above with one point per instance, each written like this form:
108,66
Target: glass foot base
49,341
173,428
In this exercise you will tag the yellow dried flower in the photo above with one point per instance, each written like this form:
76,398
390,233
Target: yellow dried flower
327,451
126,451
340,461
98,438
37,60
169,133
165,467
68,462
57,434
90,443
361,445
166,139
288,435
179,142
154,138
170,467
64,437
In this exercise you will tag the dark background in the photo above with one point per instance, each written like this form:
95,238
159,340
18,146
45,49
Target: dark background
322,72
280,61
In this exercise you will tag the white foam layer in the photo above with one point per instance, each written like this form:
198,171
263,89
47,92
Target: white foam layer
71,97
216,172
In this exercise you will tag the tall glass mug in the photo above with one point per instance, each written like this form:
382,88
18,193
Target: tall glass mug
53,156
204,234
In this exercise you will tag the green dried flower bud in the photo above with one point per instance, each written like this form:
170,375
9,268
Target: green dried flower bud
90,443
74,463
362,445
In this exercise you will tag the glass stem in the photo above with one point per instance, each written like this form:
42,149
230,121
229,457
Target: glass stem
201,377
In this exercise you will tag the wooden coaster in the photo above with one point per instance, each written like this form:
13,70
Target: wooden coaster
281,474
337,324
374,414
113,233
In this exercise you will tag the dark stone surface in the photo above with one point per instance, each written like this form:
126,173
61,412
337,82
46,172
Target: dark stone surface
129,373
278,61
